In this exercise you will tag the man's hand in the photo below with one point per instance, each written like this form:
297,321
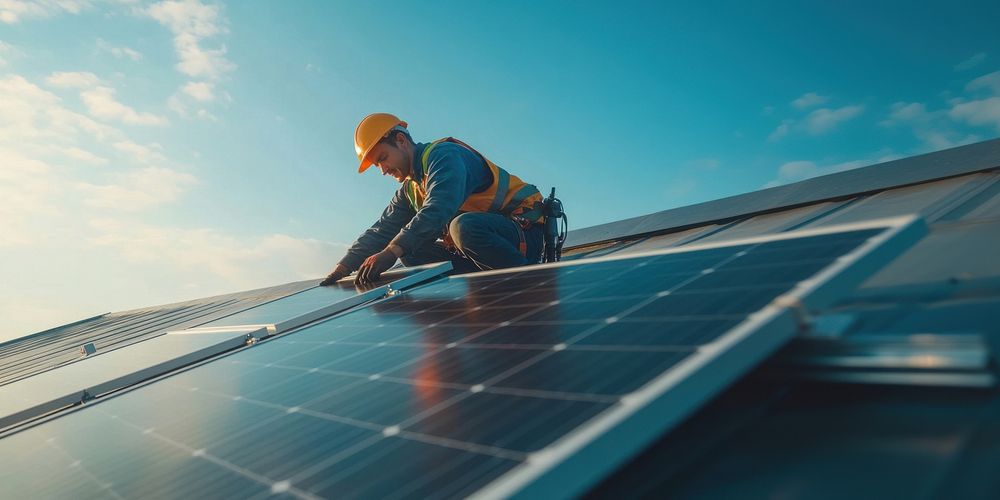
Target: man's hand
374,266
338,272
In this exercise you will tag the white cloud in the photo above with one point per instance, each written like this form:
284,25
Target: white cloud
192,21
141,154
198,62
818,121
204,114
984,111
6,52
795,171
28,188
209,257
934,129
825,119
990,82
101,103
978,112
50,190
971,62
940,139
119,52
17,88
14,11
138,190
907,112
34,117
181,102
72,79
780,131
809,100
175,104
200,91
188,16
84,156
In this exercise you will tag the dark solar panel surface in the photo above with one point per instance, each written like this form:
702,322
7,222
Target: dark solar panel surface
433,393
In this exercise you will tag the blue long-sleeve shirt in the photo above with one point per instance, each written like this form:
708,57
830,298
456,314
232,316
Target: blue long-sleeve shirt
453,174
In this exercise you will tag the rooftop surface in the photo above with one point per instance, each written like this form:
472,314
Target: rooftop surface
892,385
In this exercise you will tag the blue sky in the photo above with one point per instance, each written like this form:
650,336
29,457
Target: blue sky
160,151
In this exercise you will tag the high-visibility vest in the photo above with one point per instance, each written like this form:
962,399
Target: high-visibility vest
507,195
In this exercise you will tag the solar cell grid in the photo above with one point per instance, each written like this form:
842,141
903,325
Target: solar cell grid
299,388
530,334
443,389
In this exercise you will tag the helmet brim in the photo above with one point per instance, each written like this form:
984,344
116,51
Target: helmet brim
365,165
373,138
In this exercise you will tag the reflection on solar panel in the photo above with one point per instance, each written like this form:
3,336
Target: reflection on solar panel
535,382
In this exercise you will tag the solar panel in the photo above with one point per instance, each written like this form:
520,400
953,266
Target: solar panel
535,382
92,377
109,371
27,356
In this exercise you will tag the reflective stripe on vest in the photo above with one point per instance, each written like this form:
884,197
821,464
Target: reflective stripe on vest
521,195
507,194
501,192
416,200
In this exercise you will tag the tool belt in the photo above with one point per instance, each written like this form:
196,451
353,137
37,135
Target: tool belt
556,226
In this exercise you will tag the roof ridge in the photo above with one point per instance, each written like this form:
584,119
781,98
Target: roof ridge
926,167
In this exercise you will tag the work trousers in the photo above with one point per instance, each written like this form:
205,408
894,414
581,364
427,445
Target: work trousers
484,241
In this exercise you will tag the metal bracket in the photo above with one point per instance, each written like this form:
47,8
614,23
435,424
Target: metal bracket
88,349
803,319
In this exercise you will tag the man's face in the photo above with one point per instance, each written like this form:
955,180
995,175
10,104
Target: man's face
394,159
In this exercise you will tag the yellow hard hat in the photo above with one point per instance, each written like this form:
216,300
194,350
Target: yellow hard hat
371,130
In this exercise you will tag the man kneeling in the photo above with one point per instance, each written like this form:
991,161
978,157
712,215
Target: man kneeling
488,218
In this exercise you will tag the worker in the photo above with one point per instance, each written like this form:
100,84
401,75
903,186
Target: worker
486,218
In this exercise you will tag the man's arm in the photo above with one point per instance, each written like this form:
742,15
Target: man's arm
375,238
453,173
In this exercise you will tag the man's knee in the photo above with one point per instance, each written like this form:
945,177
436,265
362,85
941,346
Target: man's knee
464,229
